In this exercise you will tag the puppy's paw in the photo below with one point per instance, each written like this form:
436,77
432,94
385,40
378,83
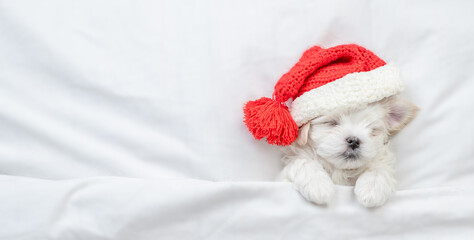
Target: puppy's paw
373,189
318,190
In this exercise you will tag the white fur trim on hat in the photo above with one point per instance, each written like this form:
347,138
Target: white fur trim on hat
351,91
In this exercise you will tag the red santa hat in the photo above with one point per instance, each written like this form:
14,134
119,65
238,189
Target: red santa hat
323,80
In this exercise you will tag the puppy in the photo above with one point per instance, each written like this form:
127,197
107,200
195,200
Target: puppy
348,147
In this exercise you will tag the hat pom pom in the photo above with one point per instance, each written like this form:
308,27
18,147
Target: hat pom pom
268,118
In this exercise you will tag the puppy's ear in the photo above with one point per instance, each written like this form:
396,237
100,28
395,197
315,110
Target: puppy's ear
303,134
400,113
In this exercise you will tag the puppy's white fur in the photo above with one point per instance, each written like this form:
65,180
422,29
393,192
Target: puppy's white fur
321,156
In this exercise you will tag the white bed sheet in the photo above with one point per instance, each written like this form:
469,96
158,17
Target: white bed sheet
122,119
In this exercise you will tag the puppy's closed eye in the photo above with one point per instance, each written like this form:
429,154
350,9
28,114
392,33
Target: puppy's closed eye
376,131
331,123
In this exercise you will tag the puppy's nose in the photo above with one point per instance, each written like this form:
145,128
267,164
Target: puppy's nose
353,142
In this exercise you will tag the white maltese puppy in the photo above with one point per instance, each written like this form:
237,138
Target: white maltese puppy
348,147
335,111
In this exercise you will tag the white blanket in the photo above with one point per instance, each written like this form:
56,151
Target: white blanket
123,119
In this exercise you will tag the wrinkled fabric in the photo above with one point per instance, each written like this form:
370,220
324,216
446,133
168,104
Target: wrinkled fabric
123,119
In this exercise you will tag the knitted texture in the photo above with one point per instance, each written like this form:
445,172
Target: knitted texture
361,76
318,67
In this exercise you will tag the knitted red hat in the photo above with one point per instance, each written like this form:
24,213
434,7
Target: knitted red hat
362,78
